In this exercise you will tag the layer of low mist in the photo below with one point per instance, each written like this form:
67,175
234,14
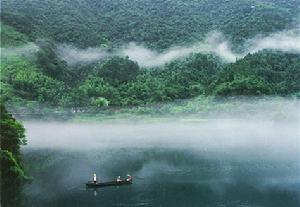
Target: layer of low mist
258,138
73,55
24,50
214,43
215,156
286,41
265,136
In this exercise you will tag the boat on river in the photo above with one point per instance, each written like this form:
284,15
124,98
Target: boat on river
91,184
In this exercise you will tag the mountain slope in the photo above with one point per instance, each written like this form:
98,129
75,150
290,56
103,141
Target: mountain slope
157,23
11,37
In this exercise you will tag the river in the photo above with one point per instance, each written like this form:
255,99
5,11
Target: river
173,163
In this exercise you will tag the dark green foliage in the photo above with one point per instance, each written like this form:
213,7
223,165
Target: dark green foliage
146,88
180,79
11,165
50,64
281,71
95,87
191,76
21,22
12,132
10,37
260,73
118,70
22,80
265,18
244,85
12,177
120,82
12,136
158,24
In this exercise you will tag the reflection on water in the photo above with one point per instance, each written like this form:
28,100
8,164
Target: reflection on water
173,164
162,177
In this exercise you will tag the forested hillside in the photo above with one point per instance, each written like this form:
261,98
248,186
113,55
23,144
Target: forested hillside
156,23
43,77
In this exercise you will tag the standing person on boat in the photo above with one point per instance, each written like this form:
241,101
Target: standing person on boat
129,178
119,179
95,178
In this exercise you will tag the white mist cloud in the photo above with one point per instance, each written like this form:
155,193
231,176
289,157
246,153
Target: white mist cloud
214,43
268,126
150,58
26,50
286,41
74,55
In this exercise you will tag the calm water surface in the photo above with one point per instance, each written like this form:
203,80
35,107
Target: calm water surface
173,164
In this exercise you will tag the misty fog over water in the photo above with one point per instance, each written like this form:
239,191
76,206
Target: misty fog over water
208,162
224,136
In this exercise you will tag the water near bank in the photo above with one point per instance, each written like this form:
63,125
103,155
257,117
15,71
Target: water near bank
176,163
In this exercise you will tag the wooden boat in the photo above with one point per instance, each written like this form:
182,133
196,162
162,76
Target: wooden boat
91,184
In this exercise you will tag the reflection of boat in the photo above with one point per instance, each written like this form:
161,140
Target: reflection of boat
91,184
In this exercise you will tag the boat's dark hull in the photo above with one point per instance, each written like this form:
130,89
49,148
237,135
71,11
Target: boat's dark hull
112,183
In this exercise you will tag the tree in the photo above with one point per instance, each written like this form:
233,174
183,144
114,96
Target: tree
51,64
22,79
242,85
118,70
265,72
100,102
12,135
94,87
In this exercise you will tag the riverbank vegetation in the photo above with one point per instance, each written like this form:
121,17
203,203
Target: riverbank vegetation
120,82
12,134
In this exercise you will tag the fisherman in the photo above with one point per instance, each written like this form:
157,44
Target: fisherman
95,178
129,178
119,179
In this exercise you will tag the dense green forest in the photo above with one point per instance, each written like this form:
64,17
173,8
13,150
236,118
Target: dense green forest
30,79
156,23
12,136
36,78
